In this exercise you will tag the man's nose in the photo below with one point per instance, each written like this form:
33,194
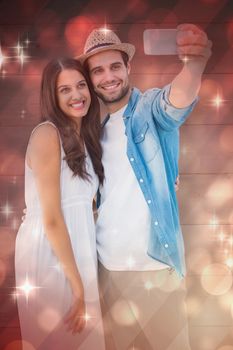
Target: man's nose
108,76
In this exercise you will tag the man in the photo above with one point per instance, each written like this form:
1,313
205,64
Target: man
139,240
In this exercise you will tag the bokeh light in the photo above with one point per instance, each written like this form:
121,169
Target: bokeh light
76,32
124,315
219,192
48,319
194,306
216,279
209,88
226,301
18,344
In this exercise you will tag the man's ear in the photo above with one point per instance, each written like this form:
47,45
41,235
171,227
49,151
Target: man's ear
128,67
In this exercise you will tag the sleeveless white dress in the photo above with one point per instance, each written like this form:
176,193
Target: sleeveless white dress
43,308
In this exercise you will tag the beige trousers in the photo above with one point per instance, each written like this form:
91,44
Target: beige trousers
143,310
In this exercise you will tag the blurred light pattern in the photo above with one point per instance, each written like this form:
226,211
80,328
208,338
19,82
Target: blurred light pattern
123,314
26,288
130,262
216,279
18,344
48,319
6,210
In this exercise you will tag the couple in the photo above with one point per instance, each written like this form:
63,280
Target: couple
137,234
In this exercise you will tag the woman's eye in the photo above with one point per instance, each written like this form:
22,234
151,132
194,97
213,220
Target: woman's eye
82,85
64,90
97,71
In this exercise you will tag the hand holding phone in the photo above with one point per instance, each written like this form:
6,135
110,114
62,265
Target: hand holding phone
160,41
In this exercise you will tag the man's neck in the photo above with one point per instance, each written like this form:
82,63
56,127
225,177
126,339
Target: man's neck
114,107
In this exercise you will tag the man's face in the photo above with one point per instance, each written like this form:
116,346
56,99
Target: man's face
109,76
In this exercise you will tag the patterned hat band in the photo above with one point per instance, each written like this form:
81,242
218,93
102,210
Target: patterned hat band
99,45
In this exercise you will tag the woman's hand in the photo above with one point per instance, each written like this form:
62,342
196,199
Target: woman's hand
75,318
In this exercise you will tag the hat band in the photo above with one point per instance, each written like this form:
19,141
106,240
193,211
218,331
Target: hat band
99,45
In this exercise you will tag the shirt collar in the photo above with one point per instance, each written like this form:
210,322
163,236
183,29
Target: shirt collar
132,103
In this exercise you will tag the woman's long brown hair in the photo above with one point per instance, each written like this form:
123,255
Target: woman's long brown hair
90,127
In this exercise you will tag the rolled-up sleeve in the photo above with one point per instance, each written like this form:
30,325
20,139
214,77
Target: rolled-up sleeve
167,115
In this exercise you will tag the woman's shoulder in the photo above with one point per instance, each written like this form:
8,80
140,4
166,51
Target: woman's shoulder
44,138
46,131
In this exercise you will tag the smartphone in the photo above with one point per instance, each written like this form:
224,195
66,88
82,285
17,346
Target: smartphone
160,41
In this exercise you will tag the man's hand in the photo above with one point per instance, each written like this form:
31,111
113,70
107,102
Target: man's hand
193,43
177,183
24,214
194,49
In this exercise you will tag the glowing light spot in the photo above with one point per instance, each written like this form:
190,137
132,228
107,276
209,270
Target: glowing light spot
105,30
216,279
130,262
229,262
4,72
27,41
226,301
2,57
221,236
87,317
214,222
22,58
7,210
26,288
219,192
185,59
148,285
18,48
230,241
125,314
217,101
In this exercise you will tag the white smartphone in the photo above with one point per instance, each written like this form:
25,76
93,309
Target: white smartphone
160,41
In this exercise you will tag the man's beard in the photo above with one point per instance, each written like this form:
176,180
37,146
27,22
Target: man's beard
124,91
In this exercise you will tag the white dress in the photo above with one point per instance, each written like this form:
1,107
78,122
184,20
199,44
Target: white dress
42,310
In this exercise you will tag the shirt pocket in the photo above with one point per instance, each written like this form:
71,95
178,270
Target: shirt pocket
146,142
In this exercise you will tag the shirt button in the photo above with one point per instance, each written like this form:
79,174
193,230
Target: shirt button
149,201
131,159
156,223
142,135
141,180
166,245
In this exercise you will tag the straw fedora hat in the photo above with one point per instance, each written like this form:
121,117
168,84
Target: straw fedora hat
102,39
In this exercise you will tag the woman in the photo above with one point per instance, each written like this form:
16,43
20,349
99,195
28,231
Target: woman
55,262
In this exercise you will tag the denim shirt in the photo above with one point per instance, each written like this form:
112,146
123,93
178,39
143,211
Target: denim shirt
152,130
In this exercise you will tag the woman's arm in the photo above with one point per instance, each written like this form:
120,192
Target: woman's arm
44,158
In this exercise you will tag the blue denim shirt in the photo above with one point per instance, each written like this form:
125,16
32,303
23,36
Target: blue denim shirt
152,130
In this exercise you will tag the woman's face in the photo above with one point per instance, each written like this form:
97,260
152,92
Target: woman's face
73,94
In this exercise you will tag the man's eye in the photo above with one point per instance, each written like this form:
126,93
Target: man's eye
115,67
